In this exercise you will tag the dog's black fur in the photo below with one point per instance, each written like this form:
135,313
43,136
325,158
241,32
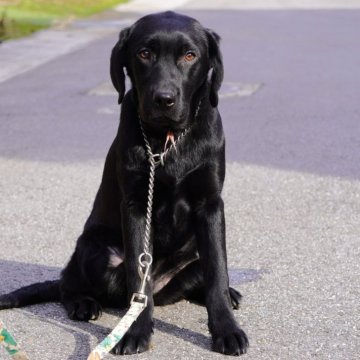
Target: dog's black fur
175,67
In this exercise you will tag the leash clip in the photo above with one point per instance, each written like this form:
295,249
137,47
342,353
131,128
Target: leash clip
144,270
138,298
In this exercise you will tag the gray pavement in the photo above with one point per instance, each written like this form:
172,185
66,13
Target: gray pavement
290,105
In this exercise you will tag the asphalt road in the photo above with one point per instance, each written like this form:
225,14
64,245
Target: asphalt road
290,106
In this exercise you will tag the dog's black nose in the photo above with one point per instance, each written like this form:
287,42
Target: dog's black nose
164,99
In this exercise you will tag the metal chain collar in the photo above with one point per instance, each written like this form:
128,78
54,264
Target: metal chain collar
145,258
155,160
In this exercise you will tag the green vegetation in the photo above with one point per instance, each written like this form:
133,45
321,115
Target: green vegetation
22,17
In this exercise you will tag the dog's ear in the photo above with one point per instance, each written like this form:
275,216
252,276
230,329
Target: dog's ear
216,64
117,63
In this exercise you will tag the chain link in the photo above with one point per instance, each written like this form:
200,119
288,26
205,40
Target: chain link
145,259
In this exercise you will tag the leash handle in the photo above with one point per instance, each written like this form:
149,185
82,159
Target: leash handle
10,345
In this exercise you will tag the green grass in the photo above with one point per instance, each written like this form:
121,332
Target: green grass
22,17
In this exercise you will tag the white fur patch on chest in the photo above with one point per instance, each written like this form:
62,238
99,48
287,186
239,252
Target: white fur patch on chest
116,257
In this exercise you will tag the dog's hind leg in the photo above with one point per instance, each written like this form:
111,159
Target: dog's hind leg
94,275
31,294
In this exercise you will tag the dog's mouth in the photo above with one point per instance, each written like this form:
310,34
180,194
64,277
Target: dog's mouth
164,123
165,131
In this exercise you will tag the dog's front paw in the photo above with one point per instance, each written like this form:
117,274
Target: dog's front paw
132,344
137,339
233,342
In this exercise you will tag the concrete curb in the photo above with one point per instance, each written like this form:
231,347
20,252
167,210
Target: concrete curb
151,6
21,55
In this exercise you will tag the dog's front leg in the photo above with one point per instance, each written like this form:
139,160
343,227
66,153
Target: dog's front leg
137,339
228,338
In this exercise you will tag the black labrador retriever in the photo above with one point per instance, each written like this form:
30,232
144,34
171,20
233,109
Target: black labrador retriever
176,70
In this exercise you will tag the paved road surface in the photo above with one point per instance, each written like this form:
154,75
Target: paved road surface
290,104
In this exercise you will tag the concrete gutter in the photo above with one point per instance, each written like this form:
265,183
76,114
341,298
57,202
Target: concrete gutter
150,6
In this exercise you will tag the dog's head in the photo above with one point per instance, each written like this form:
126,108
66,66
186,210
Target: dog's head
168,58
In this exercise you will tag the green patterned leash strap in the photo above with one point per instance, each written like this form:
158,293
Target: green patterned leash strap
10,345
137,306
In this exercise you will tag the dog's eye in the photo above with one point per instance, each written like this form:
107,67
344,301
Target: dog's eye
144,54
190,56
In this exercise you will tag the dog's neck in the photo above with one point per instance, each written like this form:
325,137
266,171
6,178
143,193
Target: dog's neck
162,138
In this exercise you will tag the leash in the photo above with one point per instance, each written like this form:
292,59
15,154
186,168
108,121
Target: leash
10,345
139,300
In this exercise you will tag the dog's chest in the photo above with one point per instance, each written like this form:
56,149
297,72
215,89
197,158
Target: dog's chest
172,210
171,213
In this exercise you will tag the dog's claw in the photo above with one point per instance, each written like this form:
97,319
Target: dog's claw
131,344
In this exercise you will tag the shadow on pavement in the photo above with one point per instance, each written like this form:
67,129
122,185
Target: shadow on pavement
187,335
21,274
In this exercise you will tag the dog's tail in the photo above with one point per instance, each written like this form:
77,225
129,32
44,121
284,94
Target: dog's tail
33,294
